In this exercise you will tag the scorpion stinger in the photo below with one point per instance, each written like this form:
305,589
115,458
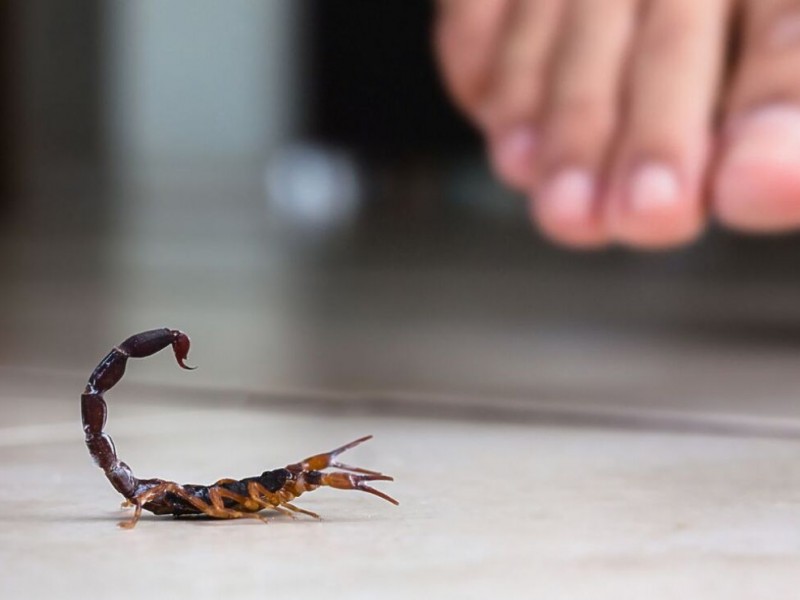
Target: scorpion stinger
225,499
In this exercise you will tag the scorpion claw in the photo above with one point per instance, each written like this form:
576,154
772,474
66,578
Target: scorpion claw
347,481
379,494
318,462
338,465
352,444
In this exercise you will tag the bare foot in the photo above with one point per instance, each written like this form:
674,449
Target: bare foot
601,111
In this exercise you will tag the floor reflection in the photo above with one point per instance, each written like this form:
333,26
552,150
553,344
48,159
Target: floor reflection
453,303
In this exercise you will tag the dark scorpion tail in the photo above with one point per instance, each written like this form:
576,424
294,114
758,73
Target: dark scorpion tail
103,378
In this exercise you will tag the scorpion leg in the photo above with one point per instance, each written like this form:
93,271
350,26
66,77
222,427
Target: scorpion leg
271,500
278,509
266,499
130,524
322,461
139,501
215,510
218,510
297,509
252,501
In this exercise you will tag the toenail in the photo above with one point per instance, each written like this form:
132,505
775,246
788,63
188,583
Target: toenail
568,196
756,188
767,134
653,187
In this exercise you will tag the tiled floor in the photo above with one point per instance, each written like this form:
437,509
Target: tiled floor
488,509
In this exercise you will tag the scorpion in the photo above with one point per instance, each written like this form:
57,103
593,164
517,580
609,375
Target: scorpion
225,499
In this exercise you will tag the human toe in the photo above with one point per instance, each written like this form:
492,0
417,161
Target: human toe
757,182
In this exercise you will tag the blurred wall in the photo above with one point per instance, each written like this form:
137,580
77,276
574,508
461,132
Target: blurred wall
8,130
375,82
201,80
53,96
58,54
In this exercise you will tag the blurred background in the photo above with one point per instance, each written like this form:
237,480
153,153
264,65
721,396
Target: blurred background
287,182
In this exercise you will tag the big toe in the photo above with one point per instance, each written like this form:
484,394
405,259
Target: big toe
758,182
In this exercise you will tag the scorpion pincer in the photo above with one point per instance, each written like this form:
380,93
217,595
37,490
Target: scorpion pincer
225,499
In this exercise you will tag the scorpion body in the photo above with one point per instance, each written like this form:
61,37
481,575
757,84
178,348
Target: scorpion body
225,499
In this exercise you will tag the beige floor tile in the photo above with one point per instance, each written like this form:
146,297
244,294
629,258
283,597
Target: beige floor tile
488,509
